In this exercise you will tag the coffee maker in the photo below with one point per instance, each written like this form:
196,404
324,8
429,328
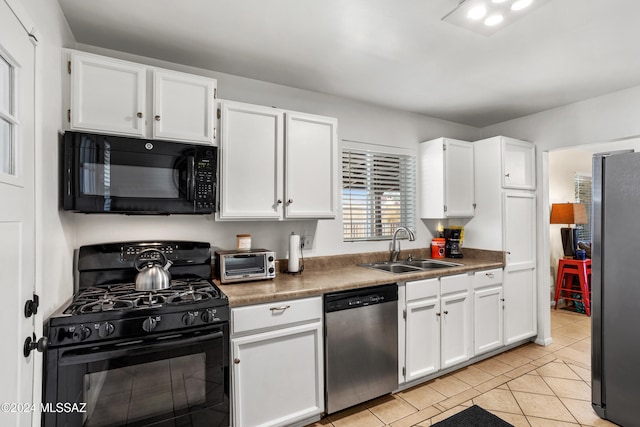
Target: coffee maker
452,245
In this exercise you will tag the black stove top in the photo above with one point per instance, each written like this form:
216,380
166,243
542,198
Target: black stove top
183,292
106,305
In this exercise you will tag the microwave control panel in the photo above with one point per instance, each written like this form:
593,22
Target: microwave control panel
204,196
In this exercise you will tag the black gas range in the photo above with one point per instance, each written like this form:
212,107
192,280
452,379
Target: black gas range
136,358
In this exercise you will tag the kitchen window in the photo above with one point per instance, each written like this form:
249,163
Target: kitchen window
378,194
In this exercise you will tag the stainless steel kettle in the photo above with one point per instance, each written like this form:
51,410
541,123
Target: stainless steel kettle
152,273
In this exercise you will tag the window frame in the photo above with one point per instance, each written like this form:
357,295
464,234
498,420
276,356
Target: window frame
372,184
584,230
12,176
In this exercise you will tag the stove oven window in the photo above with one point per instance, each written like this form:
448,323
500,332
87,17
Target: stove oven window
124,395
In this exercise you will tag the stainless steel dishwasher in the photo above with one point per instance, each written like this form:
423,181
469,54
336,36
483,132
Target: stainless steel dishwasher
361,345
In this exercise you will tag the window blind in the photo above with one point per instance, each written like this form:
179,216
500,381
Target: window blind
582,187
378,194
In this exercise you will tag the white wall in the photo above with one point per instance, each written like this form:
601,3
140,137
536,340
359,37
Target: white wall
357,121
55,238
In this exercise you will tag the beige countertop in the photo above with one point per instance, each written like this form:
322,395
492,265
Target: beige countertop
337,273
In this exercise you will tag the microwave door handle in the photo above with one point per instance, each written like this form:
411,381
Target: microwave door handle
191,178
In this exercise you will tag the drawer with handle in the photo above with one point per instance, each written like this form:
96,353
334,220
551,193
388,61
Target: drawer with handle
275,315
486,278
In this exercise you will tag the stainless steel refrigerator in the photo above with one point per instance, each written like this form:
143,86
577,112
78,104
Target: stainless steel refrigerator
615,287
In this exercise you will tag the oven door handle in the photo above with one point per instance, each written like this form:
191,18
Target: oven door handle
94,354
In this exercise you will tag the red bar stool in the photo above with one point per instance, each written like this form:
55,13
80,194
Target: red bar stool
567,269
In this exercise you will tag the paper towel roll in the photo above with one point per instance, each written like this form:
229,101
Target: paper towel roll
294,253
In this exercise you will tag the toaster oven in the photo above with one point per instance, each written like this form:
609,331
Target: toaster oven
242,266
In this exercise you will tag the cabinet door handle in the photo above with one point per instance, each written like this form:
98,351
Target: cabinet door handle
140,115
157,118
438,314
507,175
236,360
281,308
290,201
446,312
279,202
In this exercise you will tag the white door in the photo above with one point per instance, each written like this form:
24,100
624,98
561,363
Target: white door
423,338
107,95
455,333
251,162
519,230
519,305
17,212
182,107
459,181
518,164
488,319
311,162
278,376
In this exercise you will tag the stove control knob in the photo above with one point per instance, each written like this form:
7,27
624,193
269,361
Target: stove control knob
209,315
149,324
105,329
81,333
189,318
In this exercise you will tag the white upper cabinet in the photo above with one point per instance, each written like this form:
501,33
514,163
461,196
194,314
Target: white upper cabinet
311,163
113,96
183,106
276,164
446,179
107,95
518,164
250,162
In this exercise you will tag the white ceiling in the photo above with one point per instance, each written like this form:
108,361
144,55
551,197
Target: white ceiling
395,53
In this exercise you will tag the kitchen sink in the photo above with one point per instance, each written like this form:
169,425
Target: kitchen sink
412,266
428,264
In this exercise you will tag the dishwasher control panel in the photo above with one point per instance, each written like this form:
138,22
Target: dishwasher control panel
360,297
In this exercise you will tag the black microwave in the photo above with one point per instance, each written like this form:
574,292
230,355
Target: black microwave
113,174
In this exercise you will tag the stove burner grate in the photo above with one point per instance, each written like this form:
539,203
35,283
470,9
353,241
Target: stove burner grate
125,296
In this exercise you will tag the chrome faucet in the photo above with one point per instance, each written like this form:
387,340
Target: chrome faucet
394,251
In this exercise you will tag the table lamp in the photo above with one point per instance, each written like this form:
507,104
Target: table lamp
568,213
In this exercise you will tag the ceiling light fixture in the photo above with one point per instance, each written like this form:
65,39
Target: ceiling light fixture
488,16
521,4
494,19
477,12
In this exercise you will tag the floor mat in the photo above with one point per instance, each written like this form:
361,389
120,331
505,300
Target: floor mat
474,416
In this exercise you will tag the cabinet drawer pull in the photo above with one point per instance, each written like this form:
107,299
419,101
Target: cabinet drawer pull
490,275
281,308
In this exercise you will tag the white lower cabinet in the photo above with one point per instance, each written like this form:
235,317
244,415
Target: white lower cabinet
519,305
487,311
277,363
438,325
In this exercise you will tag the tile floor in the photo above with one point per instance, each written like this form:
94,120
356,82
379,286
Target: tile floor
530,386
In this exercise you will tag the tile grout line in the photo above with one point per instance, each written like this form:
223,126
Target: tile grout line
558,397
